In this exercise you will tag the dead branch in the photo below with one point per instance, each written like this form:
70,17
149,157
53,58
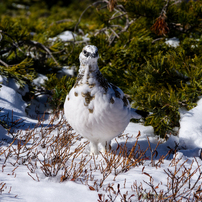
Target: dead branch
119,9
3,63
91,5
112,18
160,27
165,8
63,21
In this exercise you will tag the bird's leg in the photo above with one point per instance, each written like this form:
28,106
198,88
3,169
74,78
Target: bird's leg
105,146
93,148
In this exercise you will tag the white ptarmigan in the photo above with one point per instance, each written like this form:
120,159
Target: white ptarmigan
95,108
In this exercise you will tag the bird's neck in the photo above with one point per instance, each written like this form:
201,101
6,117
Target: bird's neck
91,76
88,71
88,68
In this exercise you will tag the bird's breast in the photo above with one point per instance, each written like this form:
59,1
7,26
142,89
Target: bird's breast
90,106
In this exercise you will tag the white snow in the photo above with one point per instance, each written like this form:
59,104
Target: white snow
190,134
12,83
69,36
20,186
10,101
174,42
64,36
40,80
67,70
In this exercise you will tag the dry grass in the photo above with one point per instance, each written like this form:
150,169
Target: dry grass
55,150
179,186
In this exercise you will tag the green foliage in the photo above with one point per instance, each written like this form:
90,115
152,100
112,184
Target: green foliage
20,72
132,46
25,46
59,87
159,78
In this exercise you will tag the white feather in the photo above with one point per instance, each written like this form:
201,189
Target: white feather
94,108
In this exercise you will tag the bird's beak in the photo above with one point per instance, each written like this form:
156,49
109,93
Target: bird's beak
93,55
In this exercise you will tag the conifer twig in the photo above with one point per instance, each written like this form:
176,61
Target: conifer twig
91,5
15,45
37,44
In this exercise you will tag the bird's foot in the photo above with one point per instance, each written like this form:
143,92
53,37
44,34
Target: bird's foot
105,146
93,148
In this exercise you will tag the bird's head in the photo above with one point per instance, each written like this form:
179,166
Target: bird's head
89,55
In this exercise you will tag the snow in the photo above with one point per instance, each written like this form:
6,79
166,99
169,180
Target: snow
190,134
12,83
26,185
40,80
64,36
67,70
11,101
46,191
68,36
173,42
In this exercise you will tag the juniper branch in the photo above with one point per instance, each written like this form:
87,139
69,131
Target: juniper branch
39,45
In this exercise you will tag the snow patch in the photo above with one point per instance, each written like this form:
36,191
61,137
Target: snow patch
67,70
11,101
190,133
40,80
173,42
69,36
64,36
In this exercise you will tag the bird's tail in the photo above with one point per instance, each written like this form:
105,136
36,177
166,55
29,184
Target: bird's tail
138,114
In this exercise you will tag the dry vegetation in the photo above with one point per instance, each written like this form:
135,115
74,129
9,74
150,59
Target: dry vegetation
54,149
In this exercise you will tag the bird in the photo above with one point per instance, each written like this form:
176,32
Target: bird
95,108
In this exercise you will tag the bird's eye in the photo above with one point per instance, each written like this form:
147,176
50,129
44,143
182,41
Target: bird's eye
86,53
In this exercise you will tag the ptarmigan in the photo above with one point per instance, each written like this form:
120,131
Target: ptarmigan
95,108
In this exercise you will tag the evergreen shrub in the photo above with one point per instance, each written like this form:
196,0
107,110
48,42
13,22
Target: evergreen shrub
132,38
